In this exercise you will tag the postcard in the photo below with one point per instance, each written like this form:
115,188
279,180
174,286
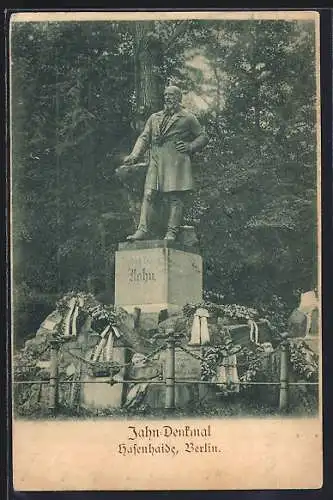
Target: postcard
165,250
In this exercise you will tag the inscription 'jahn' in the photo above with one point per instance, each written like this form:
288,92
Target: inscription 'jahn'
140,276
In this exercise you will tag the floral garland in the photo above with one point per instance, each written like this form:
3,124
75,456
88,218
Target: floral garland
231,311
253,362
107,314
25,365
213,356
303,360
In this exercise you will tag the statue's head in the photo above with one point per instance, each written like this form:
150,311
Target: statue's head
172,97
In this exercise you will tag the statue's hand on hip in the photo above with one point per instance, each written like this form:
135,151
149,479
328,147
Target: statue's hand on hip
183,147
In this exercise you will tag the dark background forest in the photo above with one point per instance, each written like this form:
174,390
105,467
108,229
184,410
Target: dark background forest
80,93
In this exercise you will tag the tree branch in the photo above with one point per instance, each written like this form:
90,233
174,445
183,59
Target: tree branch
180,28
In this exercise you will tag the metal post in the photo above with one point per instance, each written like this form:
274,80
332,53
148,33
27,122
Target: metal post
283,399
137,316
170,372
53,386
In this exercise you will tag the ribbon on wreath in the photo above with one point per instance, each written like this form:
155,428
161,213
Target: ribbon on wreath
254,331
227,374
199,332
105,347
70,320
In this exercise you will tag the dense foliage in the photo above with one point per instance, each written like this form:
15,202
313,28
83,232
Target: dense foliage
80,94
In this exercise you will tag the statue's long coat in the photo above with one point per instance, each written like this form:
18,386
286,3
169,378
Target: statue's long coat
169,169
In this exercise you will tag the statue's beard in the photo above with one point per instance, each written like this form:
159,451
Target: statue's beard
171,106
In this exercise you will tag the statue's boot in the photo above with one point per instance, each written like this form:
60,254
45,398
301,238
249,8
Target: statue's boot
140,234
176,206
171,235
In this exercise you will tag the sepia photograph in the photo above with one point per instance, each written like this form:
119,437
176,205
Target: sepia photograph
165,247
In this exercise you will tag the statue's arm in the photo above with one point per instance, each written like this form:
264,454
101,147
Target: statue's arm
200,138
143,141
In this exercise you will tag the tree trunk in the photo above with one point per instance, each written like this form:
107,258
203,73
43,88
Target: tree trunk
148,80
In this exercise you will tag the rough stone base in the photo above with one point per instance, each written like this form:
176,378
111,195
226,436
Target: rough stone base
313,343
103,395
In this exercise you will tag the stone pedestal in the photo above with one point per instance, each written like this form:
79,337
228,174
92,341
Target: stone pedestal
156,275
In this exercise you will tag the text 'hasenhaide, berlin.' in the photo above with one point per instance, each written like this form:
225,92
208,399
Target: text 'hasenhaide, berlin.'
163,438
167,431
